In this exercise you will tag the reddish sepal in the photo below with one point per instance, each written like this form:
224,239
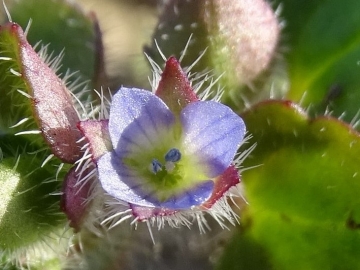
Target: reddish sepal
73,201
97,134
223,183
174,87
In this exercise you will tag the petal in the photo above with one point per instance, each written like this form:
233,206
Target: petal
137,120
191,197
121,183
212,133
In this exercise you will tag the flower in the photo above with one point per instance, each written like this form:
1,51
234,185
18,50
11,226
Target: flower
164,162
165,154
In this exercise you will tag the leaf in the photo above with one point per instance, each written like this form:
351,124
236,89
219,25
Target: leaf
323,61
304,210
28,208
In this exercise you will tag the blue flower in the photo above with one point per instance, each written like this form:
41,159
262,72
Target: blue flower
163,161
166,154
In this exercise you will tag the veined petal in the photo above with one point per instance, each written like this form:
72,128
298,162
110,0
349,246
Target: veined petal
137,120
212,134
121,183
192,197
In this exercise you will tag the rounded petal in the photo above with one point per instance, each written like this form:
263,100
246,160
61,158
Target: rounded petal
137,120
120,182
212,134
191,197
185,201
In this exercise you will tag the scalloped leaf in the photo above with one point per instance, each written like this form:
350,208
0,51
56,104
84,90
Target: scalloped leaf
304,210
324,57
64,27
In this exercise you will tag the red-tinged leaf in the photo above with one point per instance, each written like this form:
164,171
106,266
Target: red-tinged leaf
174,87
51,101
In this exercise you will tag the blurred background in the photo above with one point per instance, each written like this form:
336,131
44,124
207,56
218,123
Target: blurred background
125,24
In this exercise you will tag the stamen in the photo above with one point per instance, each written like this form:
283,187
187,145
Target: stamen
169,166
155,166
173,155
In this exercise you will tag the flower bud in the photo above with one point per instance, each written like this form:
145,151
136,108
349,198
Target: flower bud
240,36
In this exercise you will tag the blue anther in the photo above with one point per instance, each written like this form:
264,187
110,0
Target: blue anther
173,155
156,166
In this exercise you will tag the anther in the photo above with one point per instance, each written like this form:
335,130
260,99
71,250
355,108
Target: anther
173,155
155,166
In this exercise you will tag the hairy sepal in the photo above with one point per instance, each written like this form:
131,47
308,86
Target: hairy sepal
50,100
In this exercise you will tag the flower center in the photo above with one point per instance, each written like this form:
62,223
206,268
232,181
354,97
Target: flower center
168,173
165,171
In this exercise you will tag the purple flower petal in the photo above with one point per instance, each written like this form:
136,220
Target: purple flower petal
189,198
121,183
212,133
138,119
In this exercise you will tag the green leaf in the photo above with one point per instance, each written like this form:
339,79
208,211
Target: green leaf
304,210
324,57
295,14
28,209
9,263
64,26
